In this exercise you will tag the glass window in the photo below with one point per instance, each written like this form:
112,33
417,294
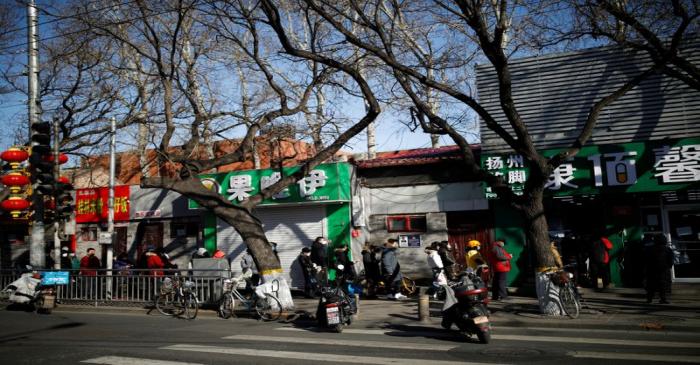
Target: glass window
406,223
88,233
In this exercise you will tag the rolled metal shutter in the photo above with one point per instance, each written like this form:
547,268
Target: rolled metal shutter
291,228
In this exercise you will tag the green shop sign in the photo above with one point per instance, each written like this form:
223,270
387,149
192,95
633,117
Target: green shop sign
326,182
621,168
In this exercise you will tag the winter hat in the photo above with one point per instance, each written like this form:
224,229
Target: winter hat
305,250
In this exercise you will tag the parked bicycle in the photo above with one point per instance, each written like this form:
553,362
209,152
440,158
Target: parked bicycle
568,294
177,297
268,308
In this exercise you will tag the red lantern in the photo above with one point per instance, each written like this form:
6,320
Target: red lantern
14,156
62,158
15,205
15,181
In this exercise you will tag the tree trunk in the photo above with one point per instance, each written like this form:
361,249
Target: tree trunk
243,221
537,234
251,230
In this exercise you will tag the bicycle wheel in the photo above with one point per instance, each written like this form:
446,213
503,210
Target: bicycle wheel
190,306
167,305
268,308
569,302
226,305
408,286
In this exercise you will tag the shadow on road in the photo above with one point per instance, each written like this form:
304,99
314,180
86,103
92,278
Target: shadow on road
26,334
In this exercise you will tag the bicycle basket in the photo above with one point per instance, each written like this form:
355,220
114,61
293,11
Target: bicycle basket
559,278
227,285
166,286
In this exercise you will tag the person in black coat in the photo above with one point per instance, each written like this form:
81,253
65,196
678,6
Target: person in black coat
309,271
657,264
319,256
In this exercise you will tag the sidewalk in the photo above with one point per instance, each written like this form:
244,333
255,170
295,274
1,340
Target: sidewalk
618,309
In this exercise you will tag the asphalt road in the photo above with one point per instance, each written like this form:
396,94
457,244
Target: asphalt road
135,338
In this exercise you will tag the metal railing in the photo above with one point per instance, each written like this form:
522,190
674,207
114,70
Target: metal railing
132,287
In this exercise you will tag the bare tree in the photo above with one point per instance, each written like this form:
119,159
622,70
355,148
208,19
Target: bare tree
657,28
161,60
429,47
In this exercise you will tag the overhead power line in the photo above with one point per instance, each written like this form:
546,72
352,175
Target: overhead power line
58,18
2,49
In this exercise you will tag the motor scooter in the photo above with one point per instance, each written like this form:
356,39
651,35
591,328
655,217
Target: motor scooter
466,307
335,307
29,291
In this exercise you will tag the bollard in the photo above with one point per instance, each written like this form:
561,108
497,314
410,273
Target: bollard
424,307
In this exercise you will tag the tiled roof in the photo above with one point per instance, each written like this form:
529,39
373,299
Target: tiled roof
419,156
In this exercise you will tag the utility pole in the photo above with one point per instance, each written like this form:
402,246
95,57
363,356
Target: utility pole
110,203
36,246
56,176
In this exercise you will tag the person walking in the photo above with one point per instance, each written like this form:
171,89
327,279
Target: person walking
154,263
319,256
66,263
448,260
309,270
501,267
474,258
89,263
342,257
248,265
391,270
658,260
438,269
371,263
600,262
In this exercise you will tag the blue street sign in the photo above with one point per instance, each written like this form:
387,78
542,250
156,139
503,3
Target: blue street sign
55,278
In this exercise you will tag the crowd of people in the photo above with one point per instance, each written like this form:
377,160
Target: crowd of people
587,257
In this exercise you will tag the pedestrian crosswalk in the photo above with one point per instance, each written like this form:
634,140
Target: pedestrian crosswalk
414,345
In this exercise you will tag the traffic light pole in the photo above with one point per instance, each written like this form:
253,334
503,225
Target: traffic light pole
36,246
56,175
110,202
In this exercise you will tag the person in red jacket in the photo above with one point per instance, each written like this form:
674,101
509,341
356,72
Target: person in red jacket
500,263
89,263
154,263
599,264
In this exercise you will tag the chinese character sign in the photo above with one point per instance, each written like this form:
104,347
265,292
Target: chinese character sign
326,182
680,164
630,167
91,205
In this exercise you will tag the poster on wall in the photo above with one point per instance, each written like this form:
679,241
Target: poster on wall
410,240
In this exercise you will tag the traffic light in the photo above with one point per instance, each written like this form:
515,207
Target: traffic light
41,150
41,138
64,200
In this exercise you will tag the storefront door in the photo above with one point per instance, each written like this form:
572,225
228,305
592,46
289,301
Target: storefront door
684,230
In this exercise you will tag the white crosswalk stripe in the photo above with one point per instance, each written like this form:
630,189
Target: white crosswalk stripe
345,342
597,341
121,360
635,357
421,346
344,358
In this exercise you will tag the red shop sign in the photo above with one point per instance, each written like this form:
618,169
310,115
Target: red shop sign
91,204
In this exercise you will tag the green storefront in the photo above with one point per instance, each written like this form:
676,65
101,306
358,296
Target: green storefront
318,205
622,191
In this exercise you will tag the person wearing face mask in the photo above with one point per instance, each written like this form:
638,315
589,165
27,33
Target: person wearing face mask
66,263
